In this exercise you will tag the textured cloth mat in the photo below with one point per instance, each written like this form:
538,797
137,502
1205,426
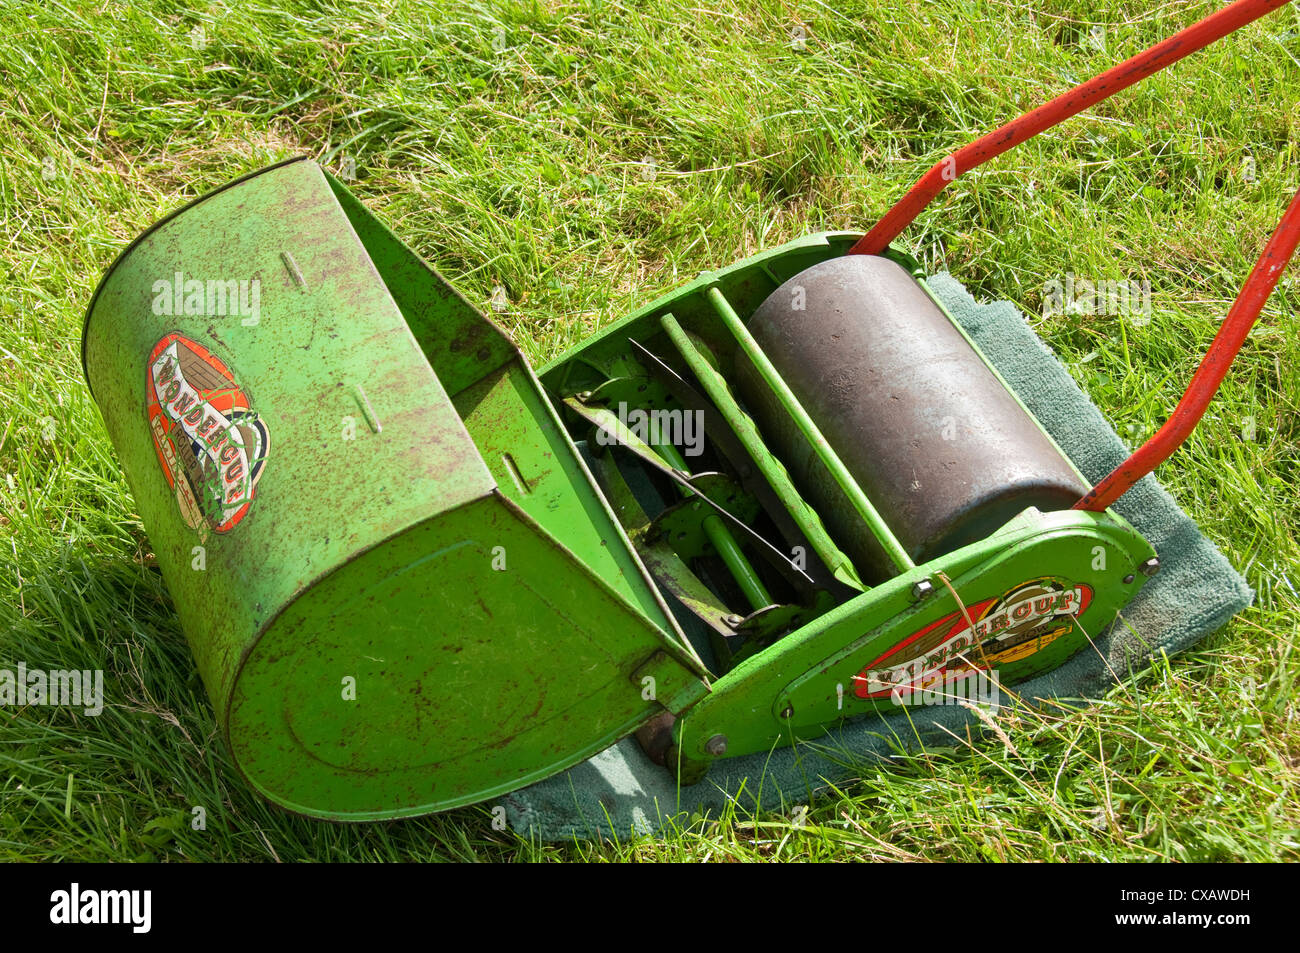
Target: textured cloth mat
620,792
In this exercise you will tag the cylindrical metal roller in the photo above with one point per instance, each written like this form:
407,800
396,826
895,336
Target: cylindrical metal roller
943,450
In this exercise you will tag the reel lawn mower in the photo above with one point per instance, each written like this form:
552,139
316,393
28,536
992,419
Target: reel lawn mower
415,574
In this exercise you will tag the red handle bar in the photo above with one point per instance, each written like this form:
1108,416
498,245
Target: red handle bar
1214,366
1241,318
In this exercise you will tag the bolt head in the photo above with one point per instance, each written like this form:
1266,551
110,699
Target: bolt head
923,590
734,620
1129,578
1150,567
716,746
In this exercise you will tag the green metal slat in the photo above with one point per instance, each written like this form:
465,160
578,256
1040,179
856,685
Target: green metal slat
725,543
717,391
858,499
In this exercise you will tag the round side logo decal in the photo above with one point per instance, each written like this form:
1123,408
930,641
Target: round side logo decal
1025,620
211,443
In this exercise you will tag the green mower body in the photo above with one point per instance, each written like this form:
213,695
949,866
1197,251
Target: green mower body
416,575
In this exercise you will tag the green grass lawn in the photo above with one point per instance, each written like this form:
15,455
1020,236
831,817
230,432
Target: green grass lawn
584,158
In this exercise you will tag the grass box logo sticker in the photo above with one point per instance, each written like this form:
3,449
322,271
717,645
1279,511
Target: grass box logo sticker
1011,628
211,443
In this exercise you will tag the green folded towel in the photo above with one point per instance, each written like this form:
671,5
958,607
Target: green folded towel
620,792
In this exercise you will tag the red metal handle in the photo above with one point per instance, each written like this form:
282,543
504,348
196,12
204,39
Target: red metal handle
1198,35
1214,366
1245,310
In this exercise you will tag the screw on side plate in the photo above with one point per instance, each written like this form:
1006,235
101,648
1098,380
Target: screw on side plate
1151,566
923,590
716,746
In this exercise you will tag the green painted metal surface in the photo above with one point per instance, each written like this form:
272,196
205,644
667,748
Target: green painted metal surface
806,681
398,581
405,590
811,679
864,508
769,468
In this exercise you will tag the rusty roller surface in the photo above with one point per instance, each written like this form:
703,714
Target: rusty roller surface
943,450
